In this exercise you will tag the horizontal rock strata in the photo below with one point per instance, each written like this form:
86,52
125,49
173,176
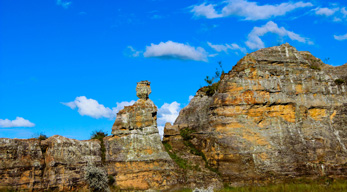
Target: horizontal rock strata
277,114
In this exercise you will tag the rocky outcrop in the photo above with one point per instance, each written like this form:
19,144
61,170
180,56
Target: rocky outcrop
134,153
277,114
21,163
55,163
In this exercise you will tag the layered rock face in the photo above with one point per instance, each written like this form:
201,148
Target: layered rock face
277,114
135,154
55,163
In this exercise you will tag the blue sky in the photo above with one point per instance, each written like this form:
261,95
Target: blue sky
67,67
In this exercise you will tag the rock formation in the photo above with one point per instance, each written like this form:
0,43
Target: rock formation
55,163
277,114
135,154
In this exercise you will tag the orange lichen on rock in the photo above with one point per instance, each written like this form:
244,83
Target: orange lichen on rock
317,114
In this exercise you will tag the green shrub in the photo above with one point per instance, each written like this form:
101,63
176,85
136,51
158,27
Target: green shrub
40,136
99,135
315,67
96,178
179,161
339,81
212,87
111,180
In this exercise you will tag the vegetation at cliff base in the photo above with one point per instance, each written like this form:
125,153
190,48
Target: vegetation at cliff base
96,178
179,161
297,186
311,186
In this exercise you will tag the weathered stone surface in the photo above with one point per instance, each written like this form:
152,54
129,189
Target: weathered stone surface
21,163
143,89
65,160
142,114
135,154
277,113
55,163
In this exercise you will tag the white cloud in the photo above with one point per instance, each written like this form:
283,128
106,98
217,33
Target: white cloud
226,47
207,11
325,11
173,50
247,10
341,37
254,41
133,52
18,122
190,97
167,113
92,108
64,4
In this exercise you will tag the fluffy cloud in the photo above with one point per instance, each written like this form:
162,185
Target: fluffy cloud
247,10
341,37
64,4
167,113
325,11
254,41
92,108
173,50
18,122
226,47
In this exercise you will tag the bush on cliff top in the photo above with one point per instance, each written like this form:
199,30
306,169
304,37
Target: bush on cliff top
212,87
99,135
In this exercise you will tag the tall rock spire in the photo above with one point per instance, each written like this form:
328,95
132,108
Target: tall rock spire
135,153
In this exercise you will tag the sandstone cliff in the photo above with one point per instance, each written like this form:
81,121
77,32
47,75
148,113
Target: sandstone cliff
135,154
277,114
55,163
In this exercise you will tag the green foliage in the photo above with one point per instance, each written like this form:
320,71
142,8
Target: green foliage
180,162
212,87
111,180
99,135
298,186
315,64
40,136
339,81
315,67
326,60
96,178
186,135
